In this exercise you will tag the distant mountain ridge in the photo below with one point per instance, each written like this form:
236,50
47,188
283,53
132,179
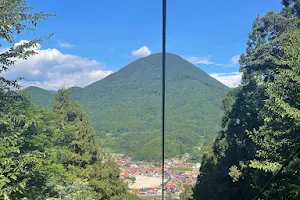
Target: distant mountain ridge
40,96
126,106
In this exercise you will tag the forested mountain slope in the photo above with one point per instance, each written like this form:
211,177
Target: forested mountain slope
127,105
41,97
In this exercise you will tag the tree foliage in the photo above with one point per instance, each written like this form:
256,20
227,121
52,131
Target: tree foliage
16,116
54,155
46,154
261,123
187,194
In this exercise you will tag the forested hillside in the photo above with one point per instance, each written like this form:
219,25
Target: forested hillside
41,97
260,139
126,106
46,154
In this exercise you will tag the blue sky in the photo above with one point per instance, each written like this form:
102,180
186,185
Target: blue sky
98,37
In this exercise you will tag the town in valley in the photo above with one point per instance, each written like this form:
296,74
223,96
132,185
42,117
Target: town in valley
145,178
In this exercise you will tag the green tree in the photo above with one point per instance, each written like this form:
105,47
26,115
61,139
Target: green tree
15,119
46,154
260,127
79,152
187,194
279,137
169,196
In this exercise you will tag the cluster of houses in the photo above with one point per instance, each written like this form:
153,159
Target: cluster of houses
176,171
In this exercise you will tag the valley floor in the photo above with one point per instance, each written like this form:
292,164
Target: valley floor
144,178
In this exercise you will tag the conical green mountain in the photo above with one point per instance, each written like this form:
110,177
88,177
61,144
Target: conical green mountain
125,107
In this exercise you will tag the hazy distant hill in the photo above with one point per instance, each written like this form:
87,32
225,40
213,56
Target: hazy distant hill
125,107
40,96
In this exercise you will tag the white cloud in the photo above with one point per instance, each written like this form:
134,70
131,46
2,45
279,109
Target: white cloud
99,74
141,52
230,79
200,60
234,61
51,69
65,45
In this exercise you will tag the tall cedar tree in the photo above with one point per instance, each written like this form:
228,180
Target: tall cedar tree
80,154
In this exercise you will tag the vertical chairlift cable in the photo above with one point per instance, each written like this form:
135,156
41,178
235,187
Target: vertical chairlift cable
164,16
